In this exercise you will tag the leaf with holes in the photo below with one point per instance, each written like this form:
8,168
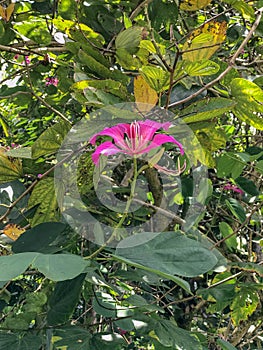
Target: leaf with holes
204,41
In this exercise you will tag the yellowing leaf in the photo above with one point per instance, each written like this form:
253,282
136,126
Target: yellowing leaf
144,93
193,5
10,168
244,304
6,13
204,41
13,231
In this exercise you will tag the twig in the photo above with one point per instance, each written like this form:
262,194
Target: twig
53,109
138,9
165,212
231,63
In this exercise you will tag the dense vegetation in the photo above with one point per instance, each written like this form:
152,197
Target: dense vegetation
160,251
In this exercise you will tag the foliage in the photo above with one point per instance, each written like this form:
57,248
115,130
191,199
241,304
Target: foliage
193,279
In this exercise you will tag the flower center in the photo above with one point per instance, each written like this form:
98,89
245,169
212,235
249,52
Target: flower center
133,139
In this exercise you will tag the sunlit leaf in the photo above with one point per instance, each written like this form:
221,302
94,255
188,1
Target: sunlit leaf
10,168
44,196
13,231
204,41
50,140
144,93
244,8
35,29
157,78
201,68
244,304
225,231
207,109
193,5
249,98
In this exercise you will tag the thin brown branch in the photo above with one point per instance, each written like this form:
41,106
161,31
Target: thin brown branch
138,9
165,212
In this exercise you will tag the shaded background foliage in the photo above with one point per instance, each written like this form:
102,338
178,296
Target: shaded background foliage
201,60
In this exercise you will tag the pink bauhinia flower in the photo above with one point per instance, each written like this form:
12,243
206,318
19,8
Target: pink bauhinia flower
233,188
52,81
133,139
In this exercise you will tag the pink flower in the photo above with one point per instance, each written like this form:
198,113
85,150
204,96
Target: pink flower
234,188
27,60
16,56
133,139
52,81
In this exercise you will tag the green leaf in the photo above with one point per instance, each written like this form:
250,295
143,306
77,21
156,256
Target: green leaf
157,78
200,68
244,304
73,338
23,152
99,98
19,342
206,109
236,209
105,305
170,335
225,231
168,252
67,9
183,284
2,29
64,299
162,14
129,39
107,85
230,164
35,29
247,185
12,266
259,166
241,6
44,196
225,345
40,238
59,267
249,98
10,169
51,139
99,69
195,234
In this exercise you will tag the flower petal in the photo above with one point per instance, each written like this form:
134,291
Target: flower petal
159,140
116,131
106,148
149,127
